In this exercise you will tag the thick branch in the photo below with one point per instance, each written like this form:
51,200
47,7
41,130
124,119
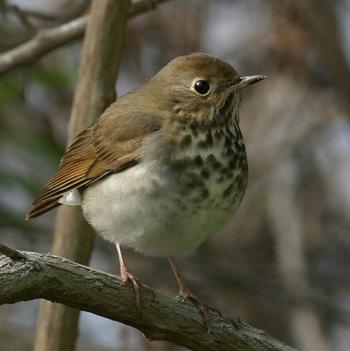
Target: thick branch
163,318
50,39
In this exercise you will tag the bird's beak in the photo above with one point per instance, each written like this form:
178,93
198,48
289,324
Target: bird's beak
247,80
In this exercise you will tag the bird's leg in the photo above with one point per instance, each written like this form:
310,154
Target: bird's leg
186,294
127,277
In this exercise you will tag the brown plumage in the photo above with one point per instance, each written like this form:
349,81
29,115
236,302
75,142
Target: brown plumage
115,141
172,160
109,145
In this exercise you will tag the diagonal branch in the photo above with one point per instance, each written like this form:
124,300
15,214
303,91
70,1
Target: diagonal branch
163,318
48,40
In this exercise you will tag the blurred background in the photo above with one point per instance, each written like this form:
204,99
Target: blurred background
283,263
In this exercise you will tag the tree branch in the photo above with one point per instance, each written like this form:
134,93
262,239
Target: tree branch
163,318
48,40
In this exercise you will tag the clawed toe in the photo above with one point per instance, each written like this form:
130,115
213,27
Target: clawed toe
186,294
203,308
128,278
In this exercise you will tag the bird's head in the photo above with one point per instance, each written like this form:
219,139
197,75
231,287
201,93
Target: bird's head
200,88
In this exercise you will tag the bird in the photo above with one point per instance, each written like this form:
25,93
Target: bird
163,167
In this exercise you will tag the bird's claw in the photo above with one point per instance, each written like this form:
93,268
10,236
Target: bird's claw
128,278
203,308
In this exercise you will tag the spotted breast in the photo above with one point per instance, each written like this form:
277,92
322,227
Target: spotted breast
170,204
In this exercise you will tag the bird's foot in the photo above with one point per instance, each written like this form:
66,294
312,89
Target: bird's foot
186,294
128,278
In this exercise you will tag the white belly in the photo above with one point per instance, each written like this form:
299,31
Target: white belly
144,210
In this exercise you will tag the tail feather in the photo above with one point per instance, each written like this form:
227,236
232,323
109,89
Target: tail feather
42,207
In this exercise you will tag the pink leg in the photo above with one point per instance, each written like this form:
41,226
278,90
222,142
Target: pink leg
127,277
186,293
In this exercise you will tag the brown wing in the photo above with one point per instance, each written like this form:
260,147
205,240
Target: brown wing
110,145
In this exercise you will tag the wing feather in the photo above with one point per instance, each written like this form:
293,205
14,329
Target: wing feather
96,152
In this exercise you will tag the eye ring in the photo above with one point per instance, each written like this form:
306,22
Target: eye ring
201,86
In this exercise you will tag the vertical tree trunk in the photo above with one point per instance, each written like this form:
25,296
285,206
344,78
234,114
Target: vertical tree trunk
285,218
73,238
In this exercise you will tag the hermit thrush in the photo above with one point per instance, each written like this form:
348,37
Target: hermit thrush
164,166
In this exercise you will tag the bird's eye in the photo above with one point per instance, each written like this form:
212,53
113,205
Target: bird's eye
201,87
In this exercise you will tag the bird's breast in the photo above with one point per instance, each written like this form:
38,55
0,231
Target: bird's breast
211,168
162,206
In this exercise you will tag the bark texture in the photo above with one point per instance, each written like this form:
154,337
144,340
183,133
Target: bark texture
28,275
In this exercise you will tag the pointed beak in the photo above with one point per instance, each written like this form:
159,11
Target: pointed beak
248,80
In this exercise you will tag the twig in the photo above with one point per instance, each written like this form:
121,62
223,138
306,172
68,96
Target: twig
48,40
163,317
22,17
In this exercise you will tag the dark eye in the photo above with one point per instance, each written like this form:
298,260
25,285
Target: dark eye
201,87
